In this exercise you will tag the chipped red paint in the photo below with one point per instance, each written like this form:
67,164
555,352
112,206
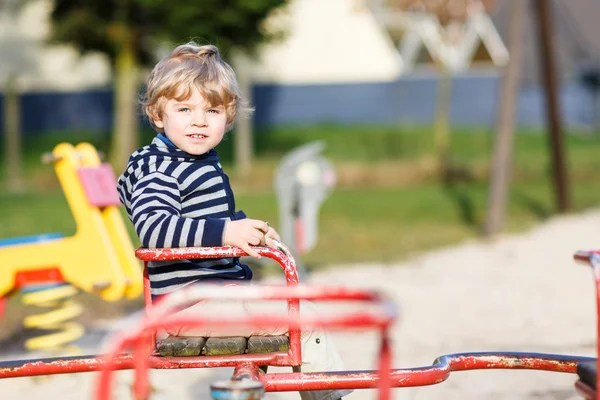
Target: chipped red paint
407,377
379,316
421,376
245,370
283,257
66,365
287,263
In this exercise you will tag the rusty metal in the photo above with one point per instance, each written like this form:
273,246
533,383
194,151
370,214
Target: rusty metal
380,316
287,263
90,363
245,370
237,390
246,367
61,365
282,256
436,373
422,376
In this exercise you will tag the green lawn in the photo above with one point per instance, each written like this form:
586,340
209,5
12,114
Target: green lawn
397,216
387,205
379,224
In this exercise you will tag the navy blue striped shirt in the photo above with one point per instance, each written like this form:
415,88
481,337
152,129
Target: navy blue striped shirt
175,199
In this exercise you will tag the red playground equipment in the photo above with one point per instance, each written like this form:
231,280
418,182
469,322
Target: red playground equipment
137,349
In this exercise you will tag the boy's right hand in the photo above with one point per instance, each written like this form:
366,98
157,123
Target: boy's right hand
244,233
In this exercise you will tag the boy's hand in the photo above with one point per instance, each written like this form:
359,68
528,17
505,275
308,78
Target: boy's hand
269,236
244,233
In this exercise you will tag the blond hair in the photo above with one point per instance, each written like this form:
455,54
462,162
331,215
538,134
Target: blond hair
191,66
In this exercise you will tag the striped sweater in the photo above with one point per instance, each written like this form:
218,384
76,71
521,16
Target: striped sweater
175,199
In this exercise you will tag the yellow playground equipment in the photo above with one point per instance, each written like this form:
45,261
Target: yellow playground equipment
99,258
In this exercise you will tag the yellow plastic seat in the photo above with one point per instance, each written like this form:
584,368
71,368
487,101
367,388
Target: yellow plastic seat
100,257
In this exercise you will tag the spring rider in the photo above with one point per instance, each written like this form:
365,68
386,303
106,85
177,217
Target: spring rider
99,258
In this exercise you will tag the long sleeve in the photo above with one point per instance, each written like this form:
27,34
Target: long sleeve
156,214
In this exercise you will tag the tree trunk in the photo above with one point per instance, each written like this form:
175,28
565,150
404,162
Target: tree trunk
243,151
441,130
12,135
503,143
549,76
126,127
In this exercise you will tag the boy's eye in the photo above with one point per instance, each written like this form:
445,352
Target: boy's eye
214,111
183,109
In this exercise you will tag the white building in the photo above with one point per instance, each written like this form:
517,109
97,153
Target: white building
38,65
327,41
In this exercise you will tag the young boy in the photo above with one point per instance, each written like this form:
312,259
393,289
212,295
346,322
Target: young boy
177,195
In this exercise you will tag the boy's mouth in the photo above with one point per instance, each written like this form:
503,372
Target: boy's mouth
198,136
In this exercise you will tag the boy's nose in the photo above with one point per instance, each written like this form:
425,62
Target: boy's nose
199,119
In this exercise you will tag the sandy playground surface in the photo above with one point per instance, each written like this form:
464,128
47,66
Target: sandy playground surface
518,293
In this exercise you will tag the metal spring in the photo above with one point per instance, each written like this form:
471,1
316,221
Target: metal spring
58,298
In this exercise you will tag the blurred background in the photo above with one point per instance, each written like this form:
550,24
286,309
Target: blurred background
442,120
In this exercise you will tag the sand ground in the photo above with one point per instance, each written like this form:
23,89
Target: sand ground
517,293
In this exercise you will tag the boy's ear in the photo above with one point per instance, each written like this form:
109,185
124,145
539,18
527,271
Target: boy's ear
156,119
158,122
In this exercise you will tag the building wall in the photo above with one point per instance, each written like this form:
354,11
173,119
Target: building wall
408,100
331,41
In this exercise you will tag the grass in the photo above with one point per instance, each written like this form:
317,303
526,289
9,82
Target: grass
388,202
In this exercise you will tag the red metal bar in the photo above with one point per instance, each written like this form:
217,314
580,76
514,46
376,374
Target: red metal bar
91,363
245,371
401,377
64,365
385,366
287,262
585,391
380,315
593,259
148,301
407,377
420,376
143,351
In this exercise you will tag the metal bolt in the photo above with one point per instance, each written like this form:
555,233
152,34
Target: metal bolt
245,389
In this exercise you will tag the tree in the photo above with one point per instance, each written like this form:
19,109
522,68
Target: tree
16,60
129,31
505,126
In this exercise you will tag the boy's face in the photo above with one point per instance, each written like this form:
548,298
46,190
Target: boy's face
192,125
